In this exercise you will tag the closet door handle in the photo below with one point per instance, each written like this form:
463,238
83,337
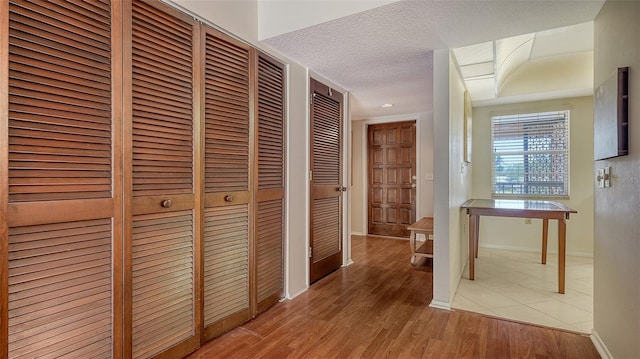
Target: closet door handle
228,198
166,203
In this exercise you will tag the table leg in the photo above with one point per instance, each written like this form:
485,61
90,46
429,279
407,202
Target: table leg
412,242
562,248
472,245
545,235
476,231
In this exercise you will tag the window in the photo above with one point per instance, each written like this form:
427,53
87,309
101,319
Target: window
530,155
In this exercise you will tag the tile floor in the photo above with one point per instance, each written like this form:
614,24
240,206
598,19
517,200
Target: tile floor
514,285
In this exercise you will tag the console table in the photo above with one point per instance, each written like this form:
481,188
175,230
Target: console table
544,210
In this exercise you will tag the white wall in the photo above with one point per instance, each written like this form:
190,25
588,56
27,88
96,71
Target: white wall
560,73
297,181
513,233
459,180
424,167
441,143
616,309
281,16
358,179
452,180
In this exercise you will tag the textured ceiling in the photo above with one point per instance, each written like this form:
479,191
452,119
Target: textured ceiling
384,55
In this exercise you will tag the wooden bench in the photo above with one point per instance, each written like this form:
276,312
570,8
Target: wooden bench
425,227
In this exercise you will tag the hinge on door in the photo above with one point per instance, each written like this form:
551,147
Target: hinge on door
310,252
310,175
330,92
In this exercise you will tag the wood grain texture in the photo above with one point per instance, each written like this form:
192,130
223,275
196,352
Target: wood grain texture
163,281
267,254
162,252
227,112
60,289
378,308
391,167
226,262
4,178
60,101
162,125
61,174
325,208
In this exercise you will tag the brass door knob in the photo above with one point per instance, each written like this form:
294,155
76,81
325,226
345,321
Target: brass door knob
166,203
228,198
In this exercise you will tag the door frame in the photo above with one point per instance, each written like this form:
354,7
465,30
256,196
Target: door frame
418,118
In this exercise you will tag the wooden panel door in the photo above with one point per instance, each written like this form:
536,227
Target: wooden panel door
162,218
326,180
227,136
392,178
270,181
60,174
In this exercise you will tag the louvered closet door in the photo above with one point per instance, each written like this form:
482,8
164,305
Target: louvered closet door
161,238
62,287
326,180
227,172
269,212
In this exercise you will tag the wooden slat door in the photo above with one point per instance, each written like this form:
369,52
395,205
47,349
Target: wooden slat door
60,175
392,178
228,139
162,218
270,182
326,180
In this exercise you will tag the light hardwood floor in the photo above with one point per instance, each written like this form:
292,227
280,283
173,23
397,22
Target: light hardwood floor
378,308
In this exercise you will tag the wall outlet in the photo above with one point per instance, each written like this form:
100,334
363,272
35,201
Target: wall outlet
527,221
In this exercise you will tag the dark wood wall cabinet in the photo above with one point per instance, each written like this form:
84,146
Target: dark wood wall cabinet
142,180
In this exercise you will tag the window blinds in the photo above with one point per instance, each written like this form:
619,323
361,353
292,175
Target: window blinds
530,155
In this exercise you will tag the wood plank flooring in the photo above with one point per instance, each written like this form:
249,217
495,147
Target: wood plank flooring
378,308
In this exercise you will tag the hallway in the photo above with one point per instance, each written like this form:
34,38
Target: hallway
378,307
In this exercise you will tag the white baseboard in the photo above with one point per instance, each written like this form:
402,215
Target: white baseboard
440,305
358,234
349,262
600,346
526,249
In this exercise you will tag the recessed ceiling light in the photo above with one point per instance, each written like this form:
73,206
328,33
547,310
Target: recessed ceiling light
385,105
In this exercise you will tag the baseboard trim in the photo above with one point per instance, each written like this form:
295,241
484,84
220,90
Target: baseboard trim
600,346
349,262
525,249
358,234
440,305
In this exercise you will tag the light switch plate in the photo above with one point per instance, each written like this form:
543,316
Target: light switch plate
600,178
603,178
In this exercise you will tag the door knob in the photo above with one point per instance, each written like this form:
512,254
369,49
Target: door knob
166,203
341,189
228,198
